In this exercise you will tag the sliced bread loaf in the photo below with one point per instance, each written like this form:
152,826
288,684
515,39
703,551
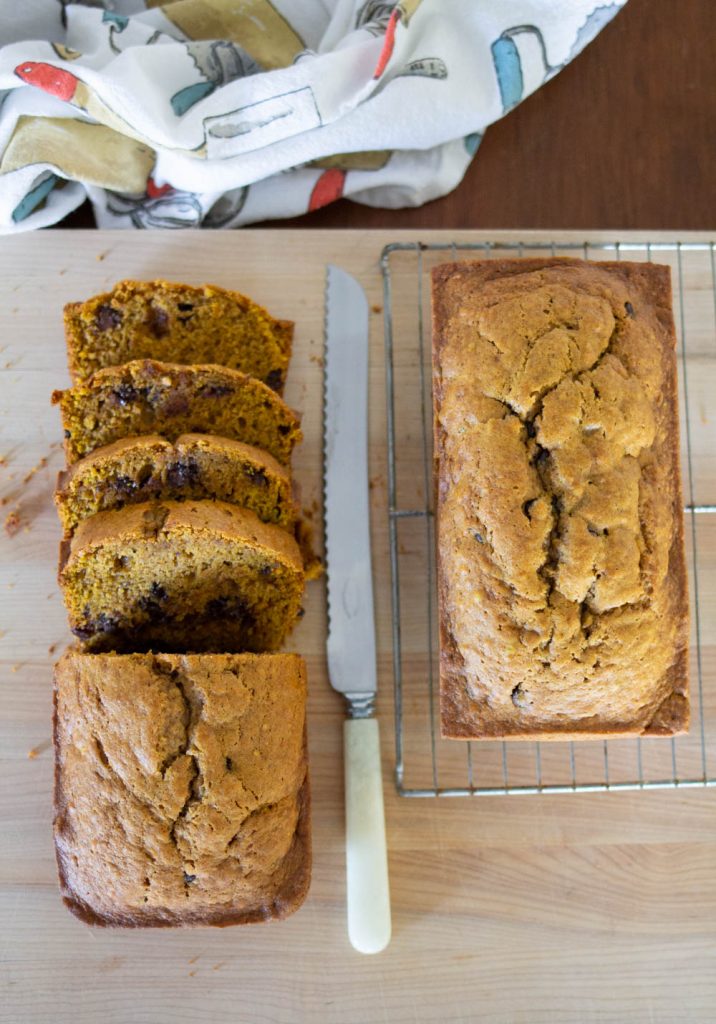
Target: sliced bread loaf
181,576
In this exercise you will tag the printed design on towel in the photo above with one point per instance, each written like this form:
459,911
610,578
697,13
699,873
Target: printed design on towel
35,199
159,207
75,150
425,67
520,58
219,62
328,188
380,18
261,31
66,86
273,119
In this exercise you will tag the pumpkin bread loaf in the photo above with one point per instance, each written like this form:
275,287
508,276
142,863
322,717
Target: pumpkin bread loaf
148,397
177,323
181,787
561,575
181,576
139,469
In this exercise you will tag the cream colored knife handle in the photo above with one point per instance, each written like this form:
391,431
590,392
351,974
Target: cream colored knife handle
366,853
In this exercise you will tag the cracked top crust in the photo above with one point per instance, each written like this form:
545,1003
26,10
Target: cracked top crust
181,793
561,571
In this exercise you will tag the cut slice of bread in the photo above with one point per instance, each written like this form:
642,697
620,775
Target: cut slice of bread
181,576
178,323
138,469
148,397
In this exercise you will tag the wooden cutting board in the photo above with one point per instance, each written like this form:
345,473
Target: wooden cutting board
577,908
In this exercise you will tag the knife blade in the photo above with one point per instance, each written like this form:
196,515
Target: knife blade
351,628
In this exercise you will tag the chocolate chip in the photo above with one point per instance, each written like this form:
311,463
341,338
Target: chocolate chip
175,403
256,475
68,434
274,380
233,608
107,317
188,879
283,429
181,473
266,570
229,764
103,623
629,308
124,485
158,592
158,321
216,391
124,393
478,536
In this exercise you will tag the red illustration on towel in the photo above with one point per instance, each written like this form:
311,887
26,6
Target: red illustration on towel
55,81
327,189
387,52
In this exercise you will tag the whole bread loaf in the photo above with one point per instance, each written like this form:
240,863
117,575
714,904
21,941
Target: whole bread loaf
181,787
562,583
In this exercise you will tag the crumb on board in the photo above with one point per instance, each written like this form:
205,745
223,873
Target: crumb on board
50,596
35,469
318,360
375,481
13,523
375,308
102,255
34,752
52,648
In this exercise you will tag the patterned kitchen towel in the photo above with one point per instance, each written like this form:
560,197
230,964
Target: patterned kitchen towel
217,113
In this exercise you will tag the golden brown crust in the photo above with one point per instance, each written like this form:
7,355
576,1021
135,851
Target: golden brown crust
170,399
178,322
561,569
197,466
181,788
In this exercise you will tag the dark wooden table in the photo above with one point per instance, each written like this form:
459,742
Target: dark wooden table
624,137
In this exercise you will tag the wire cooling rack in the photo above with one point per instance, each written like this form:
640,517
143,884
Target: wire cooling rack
427,765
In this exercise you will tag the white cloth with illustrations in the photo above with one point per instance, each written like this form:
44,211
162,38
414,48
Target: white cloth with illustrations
219,113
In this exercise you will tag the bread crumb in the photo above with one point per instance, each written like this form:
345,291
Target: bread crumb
13,523
40,465
375,308
39,749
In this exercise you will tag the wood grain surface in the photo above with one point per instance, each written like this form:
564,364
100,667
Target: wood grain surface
508,910
621,138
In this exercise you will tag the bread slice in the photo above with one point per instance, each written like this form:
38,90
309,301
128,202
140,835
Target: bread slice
179,323
181,576
138,469
181,787
147,397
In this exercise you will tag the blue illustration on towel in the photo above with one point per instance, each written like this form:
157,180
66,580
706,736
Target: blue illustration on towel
520,56
35,197
219,62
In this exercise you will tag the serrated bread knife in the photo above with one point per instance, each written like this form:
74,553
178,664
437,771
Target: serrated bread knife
351,629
